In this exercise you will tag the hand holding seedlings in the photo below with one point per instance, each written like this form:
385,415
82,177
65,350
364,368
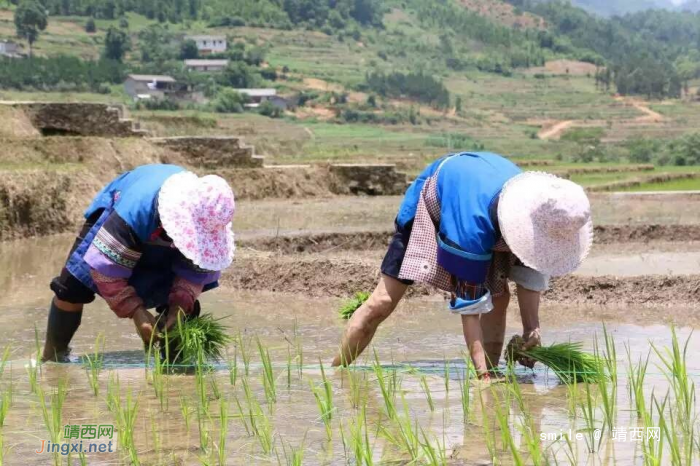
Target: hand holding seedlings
145,324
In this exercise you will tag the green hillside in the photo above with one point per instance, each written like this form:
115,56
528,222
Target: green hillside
400,81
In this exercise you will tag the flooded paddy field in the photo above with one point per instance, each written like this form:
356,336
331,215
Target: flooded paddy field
419,351
409,399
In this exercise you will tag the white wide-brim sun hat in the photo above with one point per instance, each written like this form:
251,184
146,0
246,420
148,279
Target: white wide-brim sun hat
546,222
197,214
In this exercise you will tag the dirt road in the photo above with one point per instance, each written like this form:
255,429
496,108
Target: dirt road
554,132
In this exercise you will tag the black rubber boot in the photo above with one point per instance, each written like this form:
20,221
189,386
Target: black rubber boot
61,327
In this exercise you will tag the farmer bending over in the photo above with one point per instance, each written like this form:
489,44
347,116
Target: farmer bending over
157,236
469,223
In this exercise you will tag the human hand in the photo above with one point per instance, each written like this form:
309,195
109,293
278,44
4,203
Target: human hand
174,313
531,339
145,324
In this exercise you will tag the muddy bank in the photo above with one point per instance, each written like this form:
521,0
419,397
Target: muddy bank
368,240
315,276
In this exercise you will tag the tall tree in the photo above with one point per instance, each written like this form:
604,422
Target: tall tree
117,43
30,20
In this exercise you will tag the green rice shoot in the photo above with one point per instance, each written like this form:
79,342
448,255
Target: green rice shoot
204,334
568,362
348,308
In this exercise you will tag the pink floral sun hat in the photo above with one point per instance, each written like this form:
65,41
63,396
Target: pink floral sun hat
197,214
546,222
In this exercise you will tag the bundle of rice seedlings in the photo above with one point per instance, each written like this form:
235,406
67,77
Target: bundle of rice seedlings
348,308
568,362
195,339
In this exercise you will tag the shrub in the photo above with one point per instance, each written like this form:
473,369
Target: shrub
643,150
229,101
159,104
269,110
90,26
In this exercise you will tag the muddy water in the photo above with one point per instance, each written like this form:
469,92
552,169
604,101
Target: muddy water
631,265
421,335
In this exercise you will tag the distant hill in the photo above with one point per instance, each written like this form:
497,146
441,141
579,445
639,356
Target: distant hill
620,7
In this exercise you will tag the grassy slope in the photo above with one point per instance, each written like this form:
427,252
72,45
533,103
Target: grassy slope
503,113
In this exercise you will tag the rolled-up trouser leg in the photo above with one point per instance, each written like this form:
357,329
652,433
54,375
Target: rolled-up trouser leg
493,329
60,329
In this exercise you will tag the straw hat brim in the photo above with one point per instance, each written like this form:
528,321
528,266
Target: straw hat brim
533,245
177,206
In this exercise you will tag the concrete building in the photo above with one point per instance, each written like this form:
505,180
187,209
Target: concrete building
206,66
258,96
140,86
208,45
9,49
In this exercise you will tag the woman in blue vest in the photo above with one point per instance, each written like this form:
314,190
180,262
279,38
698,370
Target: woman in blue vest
470,222
155,237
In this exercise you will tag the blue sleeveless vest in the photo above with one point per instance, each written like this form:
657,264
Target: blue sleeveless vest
133,195
467,185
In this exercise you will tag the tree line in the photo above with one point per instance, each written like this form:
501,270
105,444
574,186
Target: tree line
652,53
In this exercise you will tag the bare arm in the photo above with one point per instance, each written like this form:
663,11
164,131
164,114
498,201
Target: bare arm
364,322
529,302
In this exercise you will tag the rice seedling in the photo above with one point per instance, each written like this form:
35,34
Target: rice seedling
93,364
526,426
607,383
426,391
324,401
489,434
679,447
636,374
233,367
432,455
3,361
589,411
5,404
223,431
566,360
203,428
201,382
186,411
245,354
464,388
156,443
502,412
268,375
215,390
358,439
675,368
190,337
406,436
652,447
33,367
299,349
292,456
127,423
53,413
388,393
572,397
259,422
348,307
3,449
241,415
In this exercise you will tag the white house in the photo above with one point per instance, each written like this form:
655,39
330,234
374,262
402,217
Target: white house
208,45
206,66
258,96
141,86
9,49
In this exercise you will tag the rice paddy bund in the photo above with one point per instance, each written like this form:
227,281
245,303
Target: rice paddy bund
272,397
